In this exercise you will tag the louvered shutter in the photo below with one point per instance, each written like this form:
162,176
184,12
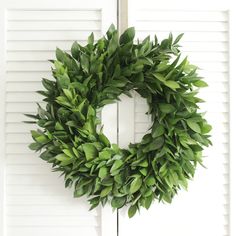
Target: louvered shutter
33,199
204,209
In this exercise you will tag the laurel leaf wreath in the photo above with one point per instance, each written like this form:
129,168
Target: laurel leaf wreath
71,138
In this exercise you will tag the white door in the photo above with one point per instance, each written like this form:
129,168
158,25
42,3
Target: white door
204,209
33,200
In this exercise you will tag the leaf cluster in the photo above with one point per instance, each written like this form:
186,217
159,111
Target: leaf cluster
70,138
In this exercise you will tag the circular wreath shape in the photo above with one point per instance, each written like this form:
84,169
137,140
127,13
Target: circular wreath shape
71,137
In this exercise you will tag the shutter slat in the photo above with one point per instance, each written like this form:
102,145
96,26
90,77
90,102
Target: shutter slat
54,15
51,35
182,26
42,45
79,221
49,211
53,25
184,16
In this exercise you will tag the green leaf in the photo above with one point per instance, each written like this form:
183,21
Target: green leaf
68,153
106,191
46,155
200,83
127,36
91,112
178,38
90,151
75,151
154,145
115,148
84,60
171,69
68,94
35,134
135,184
42,139
113,44
148,202
107,182
58,126
159,77
206,128
174,177
150,181
117,72
79,86
79,192
132,210
106,101
139,78
101,44
170,38
67,162
166,108
94,202
116,165
72,123
148,192
110,31
48,84
172,84
143,163
184,183
163,66
60,55
118,202
158,131
143,171
35,146
91,39
63,101
104,139
193,125
105,155
75,50
32,116
62,157
118,83
103,172
63,81
167,198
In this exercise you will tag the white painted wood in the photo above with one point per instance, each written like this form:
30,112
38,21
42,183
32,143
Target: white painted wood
33,200
2,121
232,118
109,120
126,121
204,209
122,15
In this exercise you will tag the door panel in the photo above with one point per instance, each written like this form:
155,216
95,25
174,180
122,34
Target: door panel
204,209
35,201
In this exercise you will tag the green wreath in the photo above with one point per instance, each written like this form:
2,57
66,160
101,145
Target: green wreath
97,74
